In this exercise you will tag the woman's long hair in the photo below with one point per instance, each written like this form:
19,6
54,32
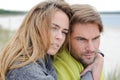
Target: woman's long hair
32,40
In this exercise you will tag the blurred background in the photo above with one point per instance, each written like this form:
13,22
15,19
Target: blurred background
12,13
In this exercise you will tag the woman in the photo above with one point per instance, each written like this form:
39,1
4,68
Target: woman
28,54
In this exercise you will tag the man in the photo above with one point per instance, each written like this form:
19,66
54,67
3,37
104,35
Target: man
82,52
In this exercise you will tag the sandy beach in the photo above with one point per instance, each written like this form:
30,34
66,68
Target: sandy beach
110,46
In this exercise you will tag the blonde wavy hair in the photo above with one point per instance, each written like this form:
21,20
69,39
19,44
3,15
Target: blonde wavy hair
32,39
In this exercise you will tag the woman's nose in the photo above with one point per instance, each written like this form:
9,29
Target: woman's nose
59,35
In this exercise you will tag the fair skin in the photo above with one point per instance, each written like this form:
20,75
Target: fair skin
84,45
84,41
60,27
95,67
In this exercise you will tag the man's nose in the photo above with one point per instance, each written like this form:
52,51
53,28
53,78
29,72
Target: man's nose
90,46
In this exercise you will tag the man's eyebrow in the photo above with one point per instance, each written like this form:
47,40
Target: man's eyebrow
85,38
81,37
96,37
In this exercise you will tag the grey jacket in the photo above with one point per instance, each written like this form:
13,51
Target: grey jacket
43,70
87,76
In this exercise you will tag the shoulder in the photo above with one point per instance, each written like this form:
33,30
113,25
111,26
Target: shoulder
32,70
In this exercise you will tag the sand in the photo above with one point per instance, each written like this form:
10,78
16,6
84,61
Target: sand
110,46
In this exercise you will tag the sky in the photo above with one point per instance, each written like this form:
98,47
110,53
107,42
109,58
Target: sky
26,5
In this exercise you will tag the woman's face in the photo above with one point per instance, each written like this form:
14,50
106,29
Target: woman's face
59,30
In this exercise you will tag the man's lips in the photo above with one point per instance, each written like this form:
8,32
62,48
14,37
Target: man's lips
88,55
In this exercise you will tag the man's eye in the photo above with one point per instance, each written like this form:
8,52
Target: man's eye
81,39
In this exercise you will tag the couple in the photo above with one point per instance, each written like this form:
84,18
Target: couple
45,31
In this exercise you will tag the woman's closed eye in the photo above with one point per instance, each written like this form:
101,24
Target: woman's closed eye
65,32
54,28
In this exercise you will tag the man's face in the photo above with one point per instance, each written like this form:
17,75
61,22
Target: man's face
84,42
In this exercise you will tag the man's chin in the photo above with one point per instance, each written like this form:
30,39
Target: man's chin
88,62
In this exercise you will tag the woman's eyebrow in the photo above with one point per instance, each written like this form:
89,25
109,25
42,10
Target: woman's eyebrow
59,26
